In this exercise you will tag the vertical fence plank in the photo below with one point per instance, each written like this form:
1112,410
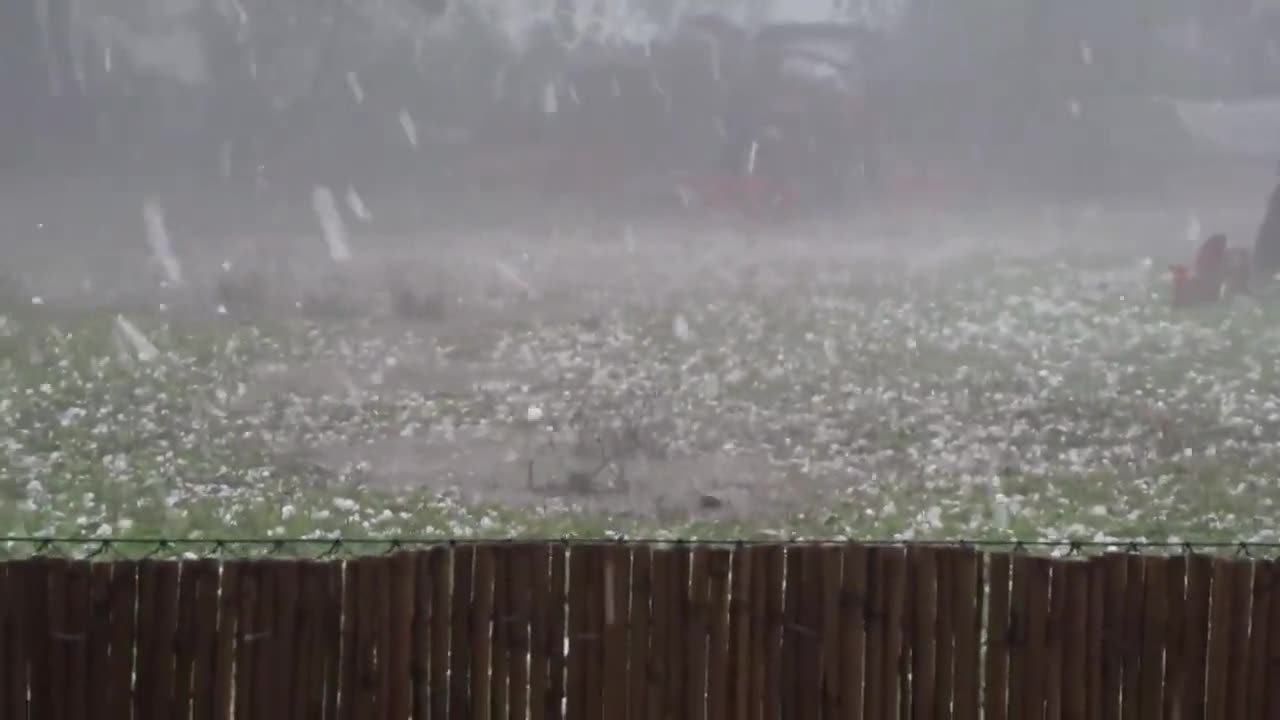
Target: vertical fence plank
158,596
460,699
310,647
639,632
499,686
13,660
7,660
593,685
1259,660
519,602
249,633
1175,663
124,623
500,641
579,655
539,633
270,631
738,657
792,578
895,579
481,621
420,645
166,621
1034,640
678,663
399,658
617,618
382,607
808,632
719,665
761,635
304,690
360,609
557,605
224,673
1238,653
1094,643
35,581
55,637
663,568
1055,638
695,633
204,578
1075,638
855,606
1134,601
1155,610
1019,635
996,695
77,639
1273,643
349,665
874,700
944,645
1218,673
1116,580
442,560
98,634
832,623
966,583
1195,634
334,636
775,563
924,602
185,639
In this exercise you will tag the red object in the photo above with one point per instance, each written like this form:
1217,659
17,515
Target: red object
1211,260
754,195
1213,275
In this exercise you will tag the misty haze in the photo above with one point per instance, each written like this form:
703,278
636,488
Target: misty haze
677,268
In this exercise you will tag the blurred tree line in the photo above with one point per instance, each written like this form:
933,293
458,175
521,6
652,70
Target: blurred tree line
994,77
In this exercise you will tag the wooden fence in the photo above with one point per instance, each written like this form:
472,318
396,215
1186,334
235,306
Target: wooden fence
597,632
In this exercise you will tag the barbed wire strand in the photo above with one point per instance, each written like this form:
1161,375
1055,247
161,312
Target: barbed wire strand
329,548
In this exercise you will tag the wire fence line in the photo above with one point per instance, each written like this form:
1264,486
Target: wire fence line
322,548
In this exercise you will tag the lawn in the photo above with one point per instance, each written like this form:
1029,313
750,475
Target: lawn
709,387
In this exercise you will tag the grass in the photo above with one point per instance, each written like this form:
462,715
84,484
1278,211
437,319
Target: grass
878,403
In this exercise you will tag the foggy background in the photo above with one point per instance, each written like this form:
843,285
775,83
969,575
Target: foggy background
1067,99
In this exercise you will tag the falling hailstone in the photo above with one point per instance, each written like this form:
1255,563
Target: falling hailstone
130,337
680,327
512,277
335,233
353,82
550,103
356,203
158,239
410,130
